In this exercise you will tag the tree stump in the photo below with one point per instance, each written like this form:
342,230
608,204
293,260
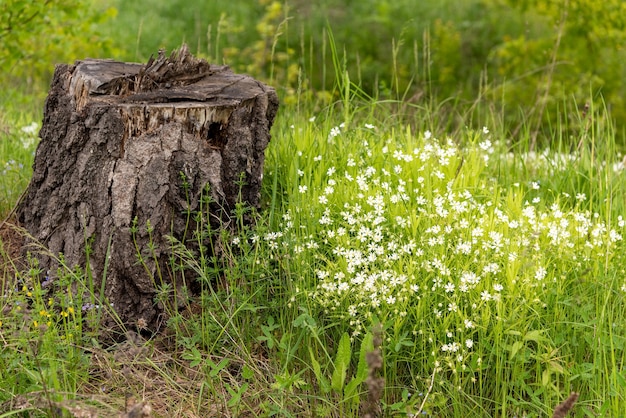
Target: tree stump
116,140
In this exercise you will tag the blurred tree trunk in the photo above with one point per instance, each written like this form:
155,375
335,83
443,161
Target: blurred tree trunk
126,144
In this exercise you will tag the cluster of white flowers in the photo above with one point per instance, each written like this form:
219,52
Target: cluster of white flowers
335,132
30,135
420,233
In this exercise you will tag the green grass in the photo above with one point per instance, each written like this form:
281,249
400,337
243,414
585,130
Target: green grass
493,269
18,139
497,276
422,235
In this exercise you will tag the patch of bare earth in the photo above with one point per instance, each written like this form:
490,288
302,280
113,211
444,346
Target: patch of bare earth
11,254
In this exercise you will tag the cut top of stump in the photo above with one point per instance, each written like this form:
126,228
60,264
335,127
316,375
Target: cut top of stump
197,100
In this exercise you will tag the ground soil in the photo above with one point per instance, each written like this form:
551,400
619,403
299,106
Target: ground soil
11,253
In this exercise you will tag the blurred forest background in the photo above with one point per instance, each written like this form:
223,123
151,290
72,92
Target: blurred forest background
530,64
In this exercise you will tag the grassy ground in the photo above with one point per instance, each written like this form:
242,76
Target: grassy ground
405,259
495,273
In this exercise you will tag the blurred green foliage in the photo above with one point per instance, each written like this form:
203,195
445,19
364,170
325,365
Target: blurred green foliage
36,34
575,51
533,55
526,59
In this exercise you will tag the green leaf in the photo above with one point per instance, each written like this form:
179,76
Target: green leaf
342,360
247,373
194,357
367,346
618,379
362,370
515,348
268,333
545,377
317,370
535,335
217,368
304,320
235,395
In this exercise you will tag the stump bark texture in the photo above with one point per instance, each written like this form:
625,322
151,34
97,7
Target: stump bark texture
116,142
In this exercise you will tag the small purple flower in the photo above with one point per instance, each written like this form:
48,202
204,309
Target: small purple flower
47,282
89,306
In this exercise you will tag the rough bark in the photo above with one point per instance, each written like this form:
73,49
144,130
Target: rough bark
114,142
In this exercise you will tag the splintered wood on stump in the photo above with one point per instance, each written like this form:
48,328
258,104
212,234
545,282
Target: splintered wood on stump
116,140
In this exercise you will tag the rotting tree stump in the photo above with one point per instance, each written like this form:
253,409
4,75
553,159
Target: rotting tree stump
116,140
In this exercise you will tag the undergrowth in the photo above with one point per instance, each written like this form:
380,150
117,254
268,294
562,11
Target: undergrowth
405,261
496,279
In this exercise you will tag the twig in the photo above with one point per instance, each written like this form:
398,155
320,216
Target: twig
14,210
430,388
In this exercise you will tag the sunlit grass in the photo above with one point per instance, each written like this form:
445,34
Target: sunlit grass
473,265
18,139
496,272
495,268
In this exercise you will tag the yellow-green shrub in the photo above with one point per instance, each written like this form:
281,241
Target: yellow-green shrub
37,34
